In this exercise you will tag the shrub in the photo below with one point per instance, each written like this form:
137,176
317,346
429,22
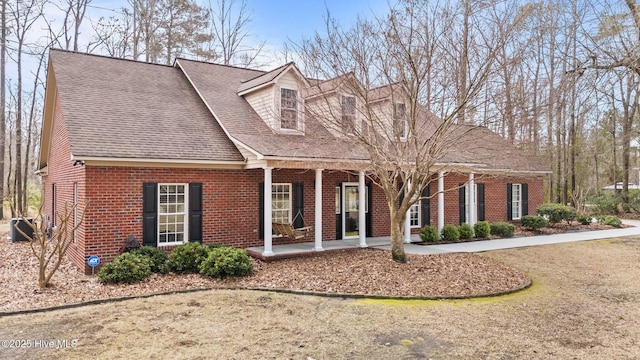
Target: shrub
502,229
157,258
226,261
612,221
450,233
127,268
215,246
534,223
429,233
556,212
584,219
187,257
605,202
466,232
482,229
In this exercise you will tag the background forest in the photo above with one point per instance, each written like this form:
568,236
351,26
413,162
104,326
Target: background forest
564,85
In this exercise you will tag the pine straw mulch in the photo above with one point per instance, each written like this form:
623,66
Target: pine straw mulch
353,271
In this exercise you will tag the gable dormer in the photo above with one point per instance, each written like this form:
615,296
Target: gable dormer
337,103
276,96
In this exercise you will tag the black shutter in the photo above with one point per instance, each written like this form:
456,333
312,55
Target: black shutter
461,204
425,204
480,189
195,212
298,205
509,202
525,199
150,214
339,214
261,211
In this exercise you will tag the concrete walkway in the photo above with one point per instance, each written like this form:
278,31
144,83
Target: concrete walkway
466,247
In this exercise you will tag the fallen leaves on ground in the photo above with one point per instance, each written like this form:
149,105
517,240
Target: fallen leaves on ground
352,271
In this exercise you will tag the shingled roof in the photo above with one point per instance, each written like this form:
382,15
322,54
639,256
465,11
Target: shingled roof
117,108
218,84
123,109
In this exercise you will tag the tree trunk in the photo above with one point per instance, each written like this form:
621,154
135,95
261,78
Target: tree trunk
397,245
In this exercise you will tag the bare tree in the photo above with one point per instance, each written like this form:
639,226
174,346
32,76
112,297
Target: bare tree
389,70
3,98
230,22
25,15
50,246
74,11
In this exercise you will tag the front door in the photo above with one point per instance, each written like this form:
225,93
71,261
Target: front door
350,219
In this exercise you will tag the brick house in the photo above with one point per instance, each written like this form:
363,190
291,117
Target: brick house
170,154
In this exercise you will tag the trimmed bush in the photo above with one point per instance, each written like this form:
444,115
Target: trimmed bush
127,268
482,229
612,221
502,229
157,257
466,232
186,258
534,223
450,233
555,213
215,246
429,233
584,219
226,261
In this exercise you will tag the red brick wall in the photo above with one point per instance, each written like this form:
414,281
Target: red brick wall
230,199
495,195
63,174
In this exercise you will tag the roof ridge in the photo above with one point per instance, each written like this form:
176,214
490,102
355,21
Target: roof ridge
281,68
107,57
223,65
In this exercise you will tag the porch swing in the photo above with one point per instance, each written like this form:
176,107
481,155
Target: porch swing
288,231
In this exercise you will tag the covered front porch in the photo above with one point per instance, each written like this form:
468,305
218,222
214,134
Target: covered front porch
352,216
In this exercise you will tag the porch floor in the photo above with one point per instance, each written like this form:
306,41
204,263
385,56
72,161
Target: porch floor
384,242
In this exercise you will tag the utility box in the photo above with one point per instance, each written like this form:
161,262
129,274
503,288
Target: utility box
23,224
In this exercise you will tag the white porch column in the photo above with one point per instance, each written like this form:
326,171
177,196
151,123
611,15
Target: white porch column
362,220
472,200
440,200
318,222
407,220
268,236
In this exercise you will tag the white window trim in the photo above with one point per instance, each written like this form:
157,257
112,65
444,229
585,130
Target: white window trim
405,121
515,202
186,216
419,206
290,186
355,124
299,114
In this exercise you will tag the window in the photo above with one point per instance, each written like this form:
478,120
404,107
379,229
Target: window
281,203
516,201
414,215
172,214
400,120
348,106
338,200
75,211
288,109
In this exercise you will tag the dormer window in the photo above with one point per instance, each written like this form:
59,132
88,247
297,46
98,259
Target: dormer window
348,104
400,124
288,109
